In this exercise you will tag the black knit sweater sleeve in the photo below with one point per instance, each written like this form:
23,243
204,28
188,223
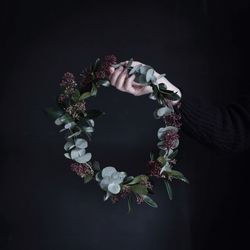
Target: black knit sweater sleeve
224,128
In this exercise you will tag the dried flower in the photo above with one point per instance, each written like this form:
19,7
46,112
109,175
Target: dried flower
103,72
173,120
75,110
171,138
125,191
154,168
68,80
81,169
87,76
139,199
114,198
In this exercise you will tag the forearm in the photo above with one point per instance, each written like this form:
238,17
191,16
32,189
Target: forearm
223,128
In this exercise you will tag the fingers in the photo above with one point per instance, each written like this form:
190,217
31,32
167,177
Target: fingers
128,85
111,70
121,79
115,75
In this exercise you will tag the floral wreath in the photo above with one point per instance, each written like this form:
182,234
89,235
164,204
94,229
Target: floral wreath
78,123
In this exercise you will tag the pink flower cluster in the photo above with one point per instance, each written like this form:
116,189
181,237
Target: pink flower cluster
81,170
154,168
103,72
173,119
69,84
170,139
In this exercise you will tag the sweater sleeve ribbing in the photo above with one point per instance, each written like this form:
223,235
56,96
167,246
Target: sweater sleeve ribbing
224,128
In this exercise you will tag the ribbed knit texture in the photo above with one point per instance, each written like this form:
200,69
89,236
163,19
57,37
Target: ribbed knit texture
224,128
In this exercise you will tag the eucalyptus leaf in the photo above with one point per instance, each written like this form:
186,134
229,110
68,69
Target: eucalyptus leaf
68,145
67,155
173,154
135,69
151,156
76,153
96,166
63,119
154,79
108,171
107,196
104,83
69,125
81,143
58,121
84,158
144,69
172,96
129,64
128,179
162,160
160,76
114,188
149,201
54,112
87,178
88,129
93,90
90,122
93,113
74,134
169,189
98,176
149,74
163,111
135,180
139,189
84,95
166,168
140,78
96,64
152,96
162,131
178,175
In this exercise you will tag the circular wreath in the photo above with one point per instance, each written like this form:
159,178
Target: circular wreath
78,124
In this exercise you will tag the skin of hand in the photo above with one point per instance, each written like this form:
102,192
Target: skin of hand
120,79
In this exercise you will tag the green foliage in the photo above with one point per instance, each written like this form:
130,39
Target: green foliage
54,113
129,204
96,65
138,179
87,178
178,175
169,189
75,97
93,91
84,96
149,201
173,155
139,189
76,146
93,113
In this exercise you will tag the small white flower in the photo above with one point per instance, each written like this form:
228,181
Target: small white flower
111,180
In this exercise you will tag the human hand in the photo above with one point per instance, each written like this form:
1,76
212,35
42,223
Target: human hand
120,79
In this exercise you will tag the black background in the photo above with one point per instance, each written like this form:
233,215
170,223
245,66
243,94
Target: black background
201,45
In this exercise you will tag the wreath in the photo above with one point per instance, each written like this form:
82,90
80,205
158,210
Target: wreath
77,122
